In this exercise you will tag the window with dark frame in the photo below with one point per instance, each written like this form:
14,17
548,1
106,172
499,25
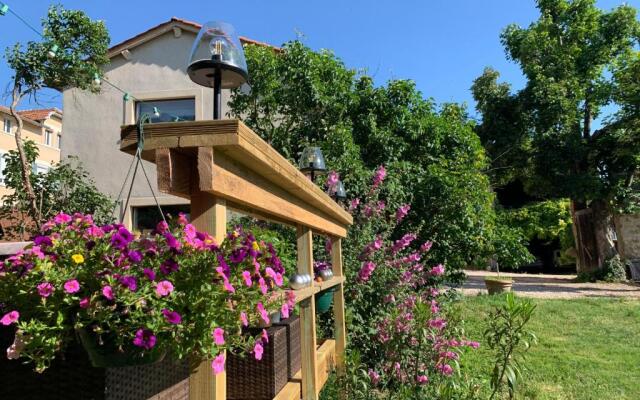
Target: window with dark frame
170,110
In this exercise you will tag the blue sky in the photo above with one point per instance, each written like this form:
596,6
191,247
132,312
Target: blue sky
442,45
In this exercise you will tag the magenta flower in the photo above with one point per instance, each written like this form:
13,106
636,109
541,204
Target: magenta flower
353,204
149,273
171,317
374,376
164,288
379,176
45,289
437,270
10,318
228,286
258,350
130,282
438,323
426,246
445,369
85,302
422,379
263,286
263,314
332,181
71,286
144,338
218,336
107,292
284,310
218,364
366,270
402,212
243,319
247,278
62,218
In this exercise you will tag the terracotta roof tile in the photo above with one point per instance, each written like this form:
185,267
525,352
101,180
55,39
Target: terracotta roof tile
39,114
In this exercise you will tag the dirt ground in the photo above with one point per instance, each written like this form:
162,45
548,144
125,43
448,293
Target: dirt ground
552,286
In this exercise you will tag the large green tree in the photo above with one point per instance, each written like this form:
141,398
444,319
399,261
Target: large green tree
434,159
577,59
70,53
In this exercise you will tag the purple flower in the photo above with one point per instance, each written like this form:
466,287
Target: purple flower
145,339
169,266
402,212
172,317
42,241
438,270
374,376
134,256
121,238
366,270
379,176
71,286
107,292
238,255
130,282
85,302
149,273
172,242
45,289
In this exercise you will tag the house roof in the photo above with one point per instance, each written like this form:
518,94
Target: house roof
40,114
164,27
6,110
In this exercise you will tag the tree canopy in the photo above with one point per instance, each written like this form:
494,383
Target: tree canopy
433,157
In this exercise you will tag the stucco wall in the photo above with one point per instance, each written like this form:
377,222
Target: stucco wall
628,231
156,69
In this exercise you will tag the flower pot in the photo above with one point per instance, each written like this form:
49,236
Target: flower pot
497,286
324,300
108,355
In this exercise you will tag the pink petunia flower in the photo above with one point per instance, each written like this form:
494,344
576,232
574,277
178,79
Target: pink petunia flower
263,314
85,302
71,286
218,364
265,336
45,289
10,318
164,288
172,317
246,275
258,350
284,310
218,336
438,270
107,292
263,286
243,318
422,379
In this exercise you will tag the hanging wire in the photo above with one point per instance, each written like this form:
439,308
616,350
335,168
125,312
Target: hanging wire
137,159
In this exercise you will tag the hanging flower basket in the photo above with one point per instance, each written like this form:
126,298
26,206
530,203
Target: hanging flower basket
104,353
132,300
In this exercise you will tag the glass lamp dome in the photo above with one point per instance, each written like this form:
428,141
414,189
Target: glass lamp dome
217,48
312,160
341,192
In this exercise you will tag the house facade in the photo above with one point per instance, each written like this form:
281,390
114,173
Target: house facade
152,68
43,126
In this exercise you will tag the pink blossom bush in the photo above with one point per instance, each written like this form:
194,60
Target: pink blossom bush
175,289
401,330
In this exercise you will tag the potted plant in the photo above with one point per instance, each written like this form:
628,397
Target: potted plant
323,299
131,300
497,284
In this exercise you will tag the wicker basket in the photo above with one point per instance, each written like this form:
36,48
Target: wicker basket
250,379
73,377
294,361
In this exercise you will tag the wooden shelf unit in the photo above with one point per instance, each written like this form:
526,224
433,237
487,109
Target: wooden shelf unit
220,165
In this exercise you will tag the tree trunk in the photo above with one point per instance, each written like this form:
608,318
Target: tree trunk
603,230
26,168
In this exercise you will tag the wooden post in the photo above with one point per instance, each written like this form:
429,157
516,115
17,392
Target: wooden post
307,319
340,331
208,214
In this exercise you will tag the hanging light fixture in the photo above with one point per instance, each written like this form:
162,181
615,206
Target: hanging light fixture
312,162
217,61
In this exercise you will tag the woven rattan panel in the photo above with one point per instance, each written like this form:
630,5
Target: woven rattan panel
294,357
166,380
249,379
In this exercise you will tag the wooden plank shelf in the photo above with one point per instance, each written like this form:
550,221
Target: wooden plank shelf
326,355
305,293
335,281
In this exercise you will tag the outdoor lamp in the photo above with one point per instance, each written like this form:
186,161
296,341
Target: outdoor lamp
312,161
217,61
340,193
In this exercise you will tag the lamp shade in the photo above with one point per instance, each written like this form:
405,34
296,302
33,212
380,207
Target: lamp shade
312,160
217,48
341,192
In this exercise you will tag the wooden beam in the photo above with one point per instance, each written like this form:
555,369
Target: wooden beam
174,172
208,214
340,330
247,188
307,319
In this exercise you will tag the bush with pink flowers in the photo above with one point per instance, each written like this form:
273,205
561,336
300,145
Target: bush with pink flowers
399,328
175,291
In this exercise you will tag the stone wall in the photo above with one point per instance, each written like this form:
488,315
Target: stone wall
628,231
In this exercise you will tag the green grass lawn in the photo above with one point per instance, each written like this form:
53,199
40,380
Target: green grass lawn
587,349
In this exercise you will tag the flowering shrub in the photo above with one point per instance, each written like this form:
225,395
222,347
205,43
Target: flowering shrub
399,326
174,291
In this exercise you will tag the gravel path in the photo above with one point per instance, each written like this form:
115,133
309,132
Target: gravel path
552,286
